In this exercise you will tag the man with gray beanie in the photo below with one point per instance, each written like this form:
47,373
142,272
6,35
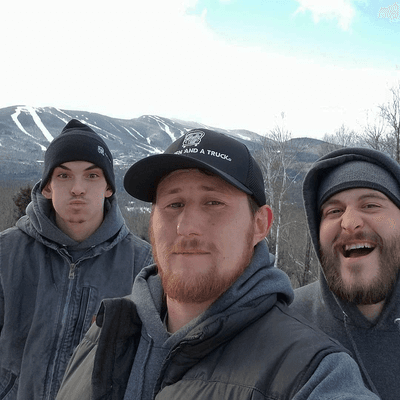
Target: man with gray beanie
352,200
210,319
70,251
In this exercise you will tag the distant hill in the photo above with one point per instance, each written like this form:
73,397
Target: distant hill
25,133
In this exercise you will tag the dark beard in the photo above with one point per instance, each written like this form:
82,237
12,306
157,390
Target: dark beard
364,294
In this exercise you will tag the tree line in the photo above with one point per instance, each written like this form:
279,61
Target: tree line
380,131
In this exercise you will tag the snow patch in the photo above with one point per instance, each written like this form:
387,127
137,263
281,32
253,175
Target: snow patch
39,123
141,209
62,112
243,137
15,119
19,125
36,119
134,130
164,127
150,149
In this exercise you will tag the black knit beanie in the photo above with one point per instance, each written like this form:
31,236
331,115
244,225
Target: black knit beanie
77,142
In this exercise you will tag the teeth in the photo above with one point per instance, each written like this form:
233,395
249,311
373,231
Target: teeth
358,246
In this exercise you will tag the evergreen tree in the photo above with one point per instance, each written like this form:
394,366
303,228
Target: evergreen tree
21,201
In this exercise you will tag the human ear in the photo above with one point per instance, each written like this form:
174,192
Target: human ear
108,192
47,192
263,220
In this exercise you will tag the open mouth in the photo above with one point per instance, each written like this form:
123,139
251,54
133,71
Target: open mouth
357,250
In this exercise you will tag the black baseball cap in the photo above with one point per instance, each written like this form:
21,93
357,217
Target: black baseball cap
204,149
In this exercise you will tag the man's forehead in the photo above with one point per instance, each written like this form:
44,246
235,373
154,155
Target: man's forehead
71,164
172,181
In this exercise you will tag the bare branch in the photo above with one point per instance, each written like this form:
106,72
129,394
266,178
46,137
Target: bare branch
390,112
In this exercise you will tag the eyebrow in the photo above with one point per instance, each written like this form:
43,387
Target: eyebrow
205,188
93,166
371,195
380,196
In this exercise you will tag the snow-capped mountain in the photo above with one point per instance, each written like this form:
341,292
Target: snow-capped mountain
26,132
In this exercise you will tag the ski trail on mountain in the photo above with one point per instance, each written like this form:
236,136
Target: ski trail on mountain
40,124
15,119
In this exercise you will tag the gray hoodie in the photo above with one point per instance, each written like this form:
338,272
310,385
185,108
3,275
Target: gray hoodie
259,284
50,290
374,345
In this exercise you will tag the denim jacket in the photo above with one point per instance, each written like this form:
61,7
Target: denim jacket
50,291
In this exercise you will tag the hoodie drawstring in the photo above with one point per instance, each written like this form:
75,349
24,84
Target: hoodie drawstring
397,322
358,356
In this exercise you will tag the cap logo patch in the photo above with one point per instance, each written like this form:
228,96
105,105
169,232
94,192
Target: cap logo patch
193,139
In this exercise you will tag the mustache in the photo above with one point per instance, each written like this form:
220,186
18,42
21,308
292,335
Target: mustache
194,245
342,239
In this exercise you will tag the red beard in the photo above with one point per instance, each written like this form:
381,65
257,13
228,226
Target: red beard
204,285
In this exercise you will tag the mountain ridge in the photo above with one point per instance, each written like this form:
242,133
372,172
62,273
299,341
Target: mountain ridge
26,132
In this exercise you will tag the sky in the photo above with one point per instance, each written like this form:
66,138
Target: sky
232,64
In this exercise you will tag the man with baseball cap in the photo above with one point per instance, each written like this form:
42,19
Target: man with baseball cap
352,200
68,253
209,320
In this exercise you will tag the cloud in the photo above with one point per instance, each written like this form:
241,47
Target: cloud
153,57
342,10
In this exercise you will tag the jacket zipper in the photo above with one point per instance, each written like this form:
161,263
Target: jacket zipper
61,323
72,267
81,316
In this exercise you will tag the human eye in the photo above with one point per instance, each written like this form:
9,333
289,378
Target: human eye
371,206
175,205
214,203
62,175
331,212
93,175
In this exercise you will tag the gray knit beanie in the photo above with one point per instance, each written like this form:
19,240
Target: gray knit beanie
358,174
78,142
344,169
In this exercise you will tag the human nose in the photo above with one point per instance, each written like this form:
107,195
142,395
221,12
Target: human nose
351,220
78,187
189,222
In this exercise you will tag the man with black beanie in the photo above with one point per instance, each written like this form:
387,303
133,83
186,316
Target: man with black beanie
352,199
70,251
